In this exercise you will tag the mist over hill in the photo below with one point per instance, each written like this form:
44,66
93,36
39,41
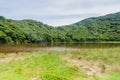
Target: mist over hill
103,28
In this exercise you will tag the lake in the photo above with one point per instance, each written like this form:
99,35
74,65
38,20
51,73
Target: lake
15,48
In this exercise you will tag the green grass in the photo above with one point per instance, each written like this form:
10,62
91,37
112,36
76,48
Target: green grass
49,65
44,65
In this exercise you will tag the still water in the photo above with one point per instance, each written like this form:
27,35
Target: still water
15,48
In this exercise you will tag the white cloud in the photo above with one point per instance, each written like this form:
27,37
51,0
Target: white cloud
58,22
56,12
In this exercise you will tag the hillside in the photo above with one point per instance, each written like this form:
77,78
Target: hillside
24,31
103,28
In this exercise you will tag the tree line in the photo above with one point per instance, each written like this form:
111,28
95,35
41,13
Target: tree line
103,28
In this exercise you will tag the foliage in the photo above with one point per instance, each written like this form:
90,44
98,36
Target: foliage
103,28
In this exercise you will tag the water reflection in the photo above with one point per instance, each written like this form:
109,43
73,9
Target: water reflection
15,48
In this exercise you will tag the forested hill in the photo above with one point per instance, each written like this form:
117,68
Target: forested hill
103,28
25,31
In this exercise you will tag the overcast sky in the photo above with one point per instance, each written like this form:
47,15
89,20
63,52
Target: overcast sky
57,12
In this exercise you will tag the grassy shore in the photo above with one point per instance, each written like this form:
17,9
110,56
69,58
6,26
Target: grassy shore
88,64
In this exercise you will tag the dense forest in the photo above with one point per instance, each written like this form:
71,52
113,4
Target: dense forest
103,28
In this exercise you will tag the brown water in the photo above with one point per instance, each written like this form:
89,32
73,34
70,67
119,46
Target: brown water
15,48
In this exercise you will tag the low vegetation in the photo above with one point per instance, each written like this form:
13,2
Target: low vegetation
88,64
